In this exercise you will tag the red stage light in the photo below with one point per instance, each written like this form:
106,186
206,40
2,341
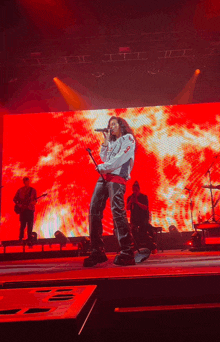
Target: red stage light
207,16
49,15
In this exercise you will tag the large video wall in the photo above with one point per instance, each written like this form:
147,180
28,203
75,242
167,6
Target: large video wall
176,146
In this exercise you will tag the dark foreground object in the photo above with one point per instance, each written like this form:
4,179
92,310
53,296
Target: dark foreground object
173,296
45,314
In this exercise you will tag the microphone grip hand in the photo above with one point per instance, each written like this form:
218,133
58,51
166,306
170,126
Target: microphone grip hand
99,170
106,137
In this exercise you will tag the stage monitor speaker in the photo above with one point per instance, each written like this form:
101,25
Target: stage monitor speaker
45,313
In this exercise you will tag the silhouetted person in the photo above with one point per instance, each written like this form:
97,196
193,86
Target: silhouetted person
25,200
141,228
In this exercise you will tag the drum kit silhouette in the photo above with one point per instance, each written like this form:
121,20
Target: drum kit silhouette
213,221
210,237
210,228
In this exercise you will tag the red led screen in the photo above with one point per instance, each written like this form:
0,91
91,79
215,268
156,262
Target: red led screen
176,145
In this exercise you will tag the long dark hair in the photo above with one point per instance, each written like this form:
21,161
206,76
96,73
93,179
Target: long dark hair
125,128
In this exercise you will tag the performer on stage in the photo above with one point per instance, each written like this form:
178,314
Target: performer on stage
117,154
25,200
142,230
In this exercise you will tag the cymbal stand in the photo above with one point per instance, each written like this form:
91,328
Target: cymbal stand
212,217
216,202
191,207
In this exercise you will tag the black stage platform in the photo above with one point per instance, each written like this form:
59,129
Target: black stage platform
174,295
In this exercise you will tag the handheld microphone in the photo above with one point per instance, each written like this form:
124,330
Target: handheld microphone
101,130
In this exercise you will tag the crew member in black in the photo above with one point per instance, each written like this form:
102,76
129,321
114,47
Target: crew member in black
141,228
25,199
117,153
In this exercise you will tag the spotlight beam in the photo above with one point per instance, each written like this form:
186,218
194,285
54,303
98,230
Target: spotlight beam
72,98
186,94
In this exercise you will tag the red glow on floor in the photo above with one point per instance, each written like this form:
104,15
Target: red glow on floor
168,307
167,264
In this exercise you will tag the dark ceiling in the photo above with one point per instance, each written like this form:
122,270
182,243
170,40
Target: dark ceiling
80,41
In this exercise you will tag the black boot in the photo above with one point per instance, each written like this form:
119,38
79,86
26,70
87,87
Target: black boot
124,260
96,257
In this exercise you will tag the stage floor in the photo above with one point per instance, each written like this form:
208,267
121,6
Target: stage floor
167,264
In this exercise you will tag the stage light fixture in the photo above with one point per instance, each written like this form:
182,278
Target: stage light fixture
186,94
34,237
61,238
196,240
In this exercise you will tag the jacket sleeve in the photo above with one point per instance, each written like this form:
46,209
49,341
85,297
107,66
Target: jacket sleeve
126,153
17,197
103,153
144,200
34,194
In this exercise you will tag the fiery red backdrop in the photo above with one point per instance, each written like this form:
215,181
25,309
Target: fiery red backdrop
176,146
